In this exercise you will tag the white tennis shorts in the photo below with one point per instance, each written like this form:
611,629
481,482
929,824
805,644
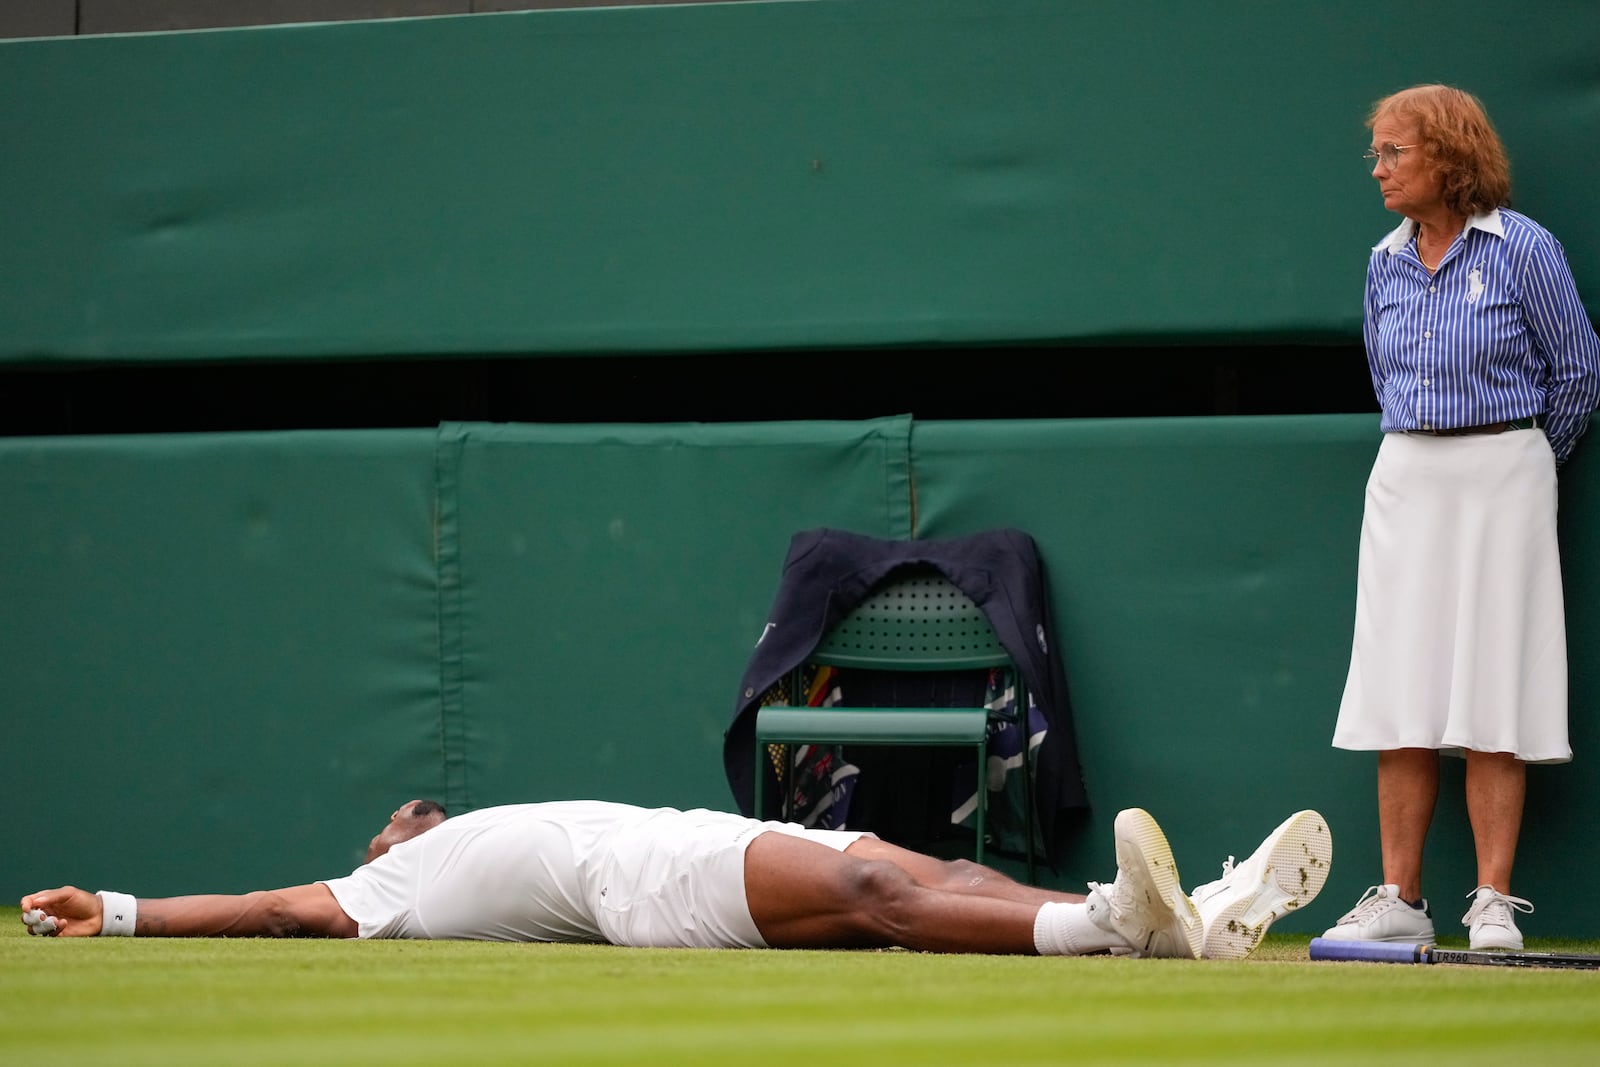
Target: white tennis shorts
676,880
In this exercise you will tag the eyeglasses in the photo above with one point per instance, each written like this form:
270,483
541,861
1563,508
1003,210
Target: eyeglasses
1386,153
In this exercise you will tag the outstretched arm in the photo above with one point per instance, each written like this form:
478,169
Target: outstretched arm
298,911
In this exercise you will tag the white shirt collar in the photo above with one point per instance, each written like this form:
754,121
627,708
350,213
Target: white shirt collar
1398,238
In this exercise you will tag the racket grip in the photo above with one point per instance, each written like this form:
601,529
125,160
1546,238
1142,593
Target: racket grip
1369,951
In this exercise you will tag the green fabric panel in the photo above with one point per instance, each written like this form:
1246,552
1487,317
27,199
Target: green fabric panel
613,581
1203,577
744,176
225,657
218,656
1555,866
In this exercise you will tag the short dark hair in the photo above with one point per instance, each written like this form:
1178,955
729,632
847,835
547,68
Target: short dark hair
428,807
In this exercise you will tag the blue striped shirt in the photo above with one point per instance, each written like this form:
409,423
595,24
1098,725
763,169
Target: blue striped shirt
1497,333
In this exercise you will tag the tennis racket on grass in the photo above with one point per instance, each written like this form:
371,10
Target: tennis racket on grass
1385,952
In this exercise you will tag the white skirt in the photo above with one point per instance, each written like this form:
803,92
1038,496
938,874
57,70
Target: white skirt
1460,636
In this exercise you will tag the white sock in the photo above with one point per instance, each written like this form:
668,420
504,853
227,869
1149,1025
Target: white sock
1070,930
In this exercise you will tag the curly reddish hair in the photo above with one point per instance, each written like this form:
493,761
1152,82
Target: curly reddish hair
1459,141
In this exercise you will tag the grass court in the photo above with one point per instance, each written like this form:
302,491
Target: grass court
128,1002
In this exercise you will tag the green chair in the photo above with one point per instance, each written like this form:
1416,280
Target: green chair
916,620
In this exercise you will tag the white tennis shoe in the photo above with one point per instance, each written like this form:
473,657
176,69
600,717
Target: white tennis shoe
1286,872
1382,915
1146,903
1491,922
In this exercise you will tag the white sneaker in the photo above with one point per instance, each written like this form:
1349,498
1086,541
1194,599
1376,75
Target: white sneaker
1285,873
1491,922
1147,905
1382,915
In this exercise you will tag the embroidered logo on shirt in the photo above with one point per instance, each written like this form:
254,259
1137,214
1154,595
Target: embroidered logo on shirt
1475,284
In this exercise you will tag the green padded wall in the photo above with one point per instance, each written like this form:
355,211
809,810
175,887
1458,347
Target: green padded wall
745,176
612,583
218,655
1203,573
224,659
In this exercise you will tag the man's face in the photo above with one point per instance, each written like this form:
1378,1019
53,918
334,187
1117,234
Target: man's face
403,825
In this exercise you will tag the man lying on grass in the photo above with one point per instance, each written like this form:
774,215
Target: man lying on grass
603,872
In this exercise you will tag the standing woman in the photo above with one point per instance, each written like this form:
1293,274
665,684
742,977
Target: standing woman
1487,368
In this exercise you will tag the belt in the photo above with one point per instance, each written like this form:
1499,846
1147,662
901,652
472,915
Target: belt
1528,422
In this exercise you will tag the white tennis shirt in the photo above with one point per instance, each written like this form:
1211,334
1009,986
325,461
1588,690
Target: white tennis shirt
563,871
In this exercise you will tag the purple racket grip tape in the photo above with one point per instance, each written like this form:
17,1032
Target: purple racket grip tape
1323,948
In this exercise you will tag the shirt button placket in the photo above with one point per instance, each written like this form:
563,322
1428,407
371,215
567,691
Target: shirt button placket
1425,364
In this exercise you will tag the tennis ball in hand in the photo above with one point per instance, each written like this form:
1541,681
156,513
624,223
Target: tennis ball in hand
39,923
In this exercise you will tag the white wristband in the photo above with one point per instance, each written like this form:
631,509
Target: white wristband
119,913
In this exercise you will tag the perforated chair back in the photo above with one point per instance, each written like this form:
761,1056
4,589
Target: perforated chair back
914,622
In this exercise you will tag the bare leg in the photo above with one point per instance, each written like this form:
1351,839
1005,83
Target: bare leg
1408,787
957,876
1496,785
805,895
